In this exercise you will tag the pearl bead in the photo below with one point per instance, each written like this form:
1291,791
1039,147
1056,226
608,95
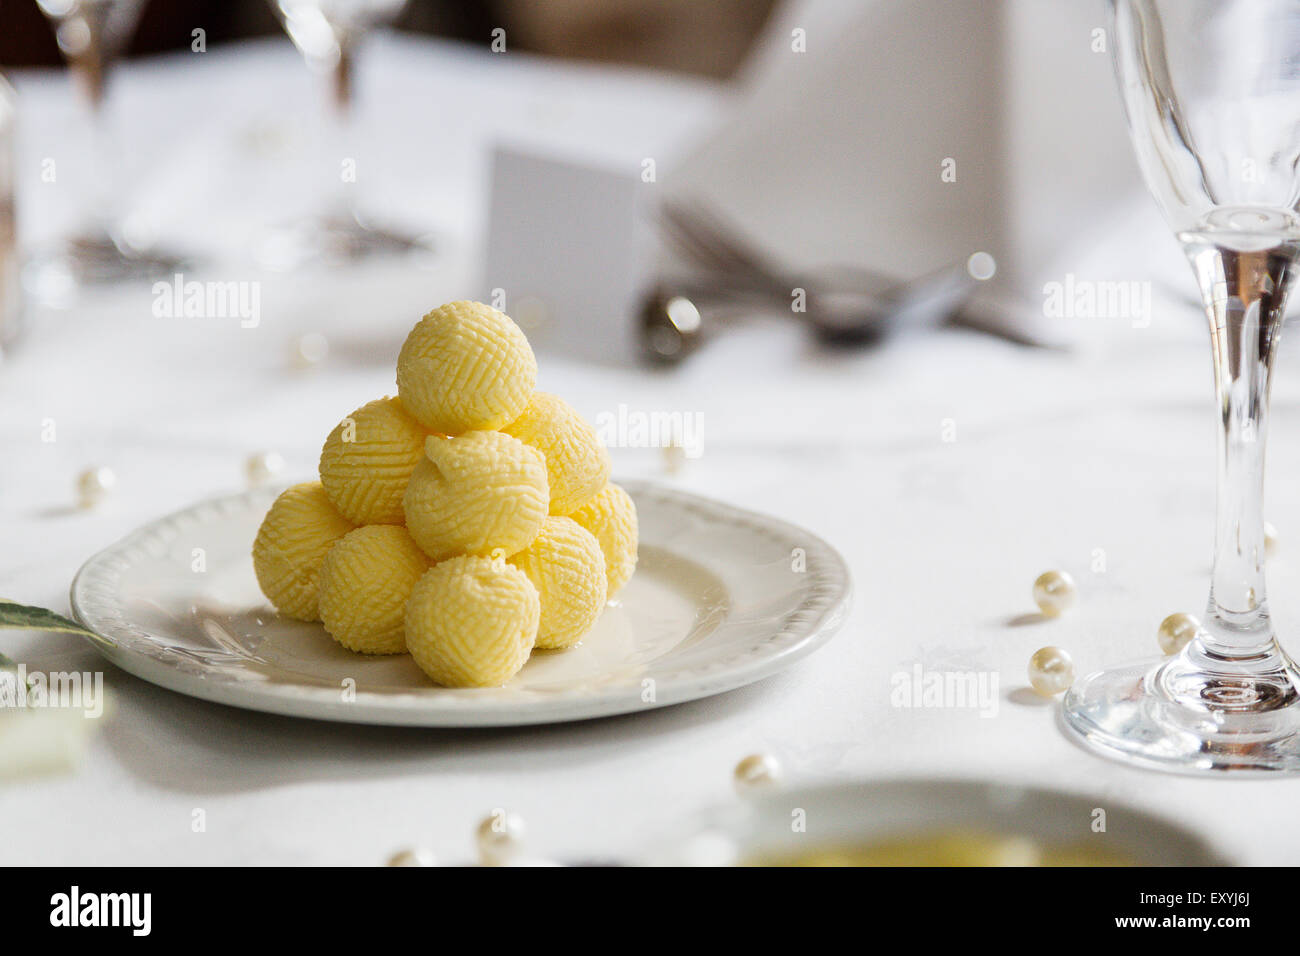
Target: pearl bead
94,484
755,771
310,350
981,266
263,466
1055,593
1176,631
415,856
1270,540
530,861
1051,671
500,838
709,849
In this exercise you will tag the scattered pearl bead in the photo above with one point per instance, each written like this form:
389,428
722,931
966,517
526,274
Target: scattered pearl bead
1176,631
755,771
94,484
1051,671
263,466
981,266
530,861
1016,851
710,849
1270,540
415,856
500,838
310,350
1055,593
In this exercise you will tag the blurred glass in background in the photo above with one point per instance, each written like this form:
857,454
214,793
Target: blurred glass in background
706,38
91,34
10,294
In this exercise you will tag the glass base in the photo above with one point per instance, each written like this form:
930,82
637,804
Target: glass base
335,240
1178,714
54,277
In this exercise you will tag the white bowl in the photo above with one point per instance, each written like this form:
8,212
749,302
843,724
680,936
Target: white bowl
764,825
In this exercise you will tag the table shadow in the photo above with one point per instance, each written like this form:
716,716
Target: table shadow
188,745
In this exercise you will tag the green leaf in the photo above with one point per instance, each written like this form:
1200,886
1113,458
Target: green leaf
26,618
7,664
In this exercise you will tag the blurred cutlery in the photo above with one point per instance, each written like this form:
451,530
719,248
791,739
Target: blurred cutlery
843,306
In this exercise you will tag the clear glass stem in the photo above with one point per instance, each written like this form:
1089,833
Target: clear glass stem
1230,699
344,80
1244,291
340,202
90,61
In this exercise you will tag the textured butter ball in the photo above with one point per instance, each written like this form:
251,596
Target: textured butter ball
365,582
475,494
566,565
472,621
611,518
577,465
464,366
298,530
367,460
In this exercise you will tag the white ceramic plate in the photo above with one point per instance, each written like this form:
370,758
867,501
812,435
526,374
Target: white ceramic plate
715,603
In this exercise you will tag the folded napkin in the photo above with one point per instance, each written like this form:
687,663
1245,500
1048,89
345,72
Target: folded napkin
903,137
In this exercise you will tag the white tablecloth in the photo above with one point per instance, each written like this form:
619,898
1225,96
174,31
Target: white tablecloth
1109,447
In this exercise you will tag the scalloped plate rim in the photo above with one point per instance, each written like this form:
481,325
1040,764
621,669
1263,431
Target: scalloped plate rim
413,709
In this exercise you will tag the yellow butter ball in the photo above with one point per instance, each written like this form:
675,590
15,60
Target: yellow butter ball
465,366
298,530
365,582
475,494
577,464
472,621
611,518
566,565
368,459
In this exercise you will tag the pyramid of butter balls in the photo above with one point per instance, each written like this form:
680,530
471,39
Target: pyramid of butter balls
468,521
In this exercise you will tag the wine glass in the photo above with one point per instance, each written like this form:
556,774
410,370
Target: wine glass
327,33
91,35
1211,89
